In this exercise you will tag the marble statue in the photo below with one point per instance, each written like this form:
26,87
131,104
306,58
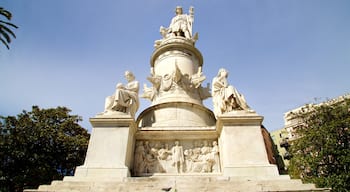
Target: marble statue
178,157
150,160
156,157
125,99
201,160
151,92
181,24
197,78
225,97
215,157
164,152
191,84
139,165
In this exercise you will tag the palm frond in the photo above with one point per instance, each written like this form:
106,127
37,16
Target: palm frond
5,29
5,43
6,36
8,23
5,13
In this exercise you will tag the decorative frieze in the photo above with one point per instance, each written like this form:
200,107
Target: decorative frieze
176,157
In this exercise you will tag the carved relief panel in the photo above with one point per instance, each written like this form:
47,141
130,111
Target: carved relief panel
176,157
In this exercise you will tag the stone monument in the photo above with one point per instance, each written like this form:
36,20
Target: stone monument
177,143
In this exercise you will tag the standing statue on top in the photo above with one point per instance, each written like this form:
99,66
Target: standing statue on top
225,97
181,26
125,99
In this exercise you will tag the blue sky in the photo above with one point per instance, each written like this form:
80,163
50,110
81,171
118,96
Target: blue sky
279,54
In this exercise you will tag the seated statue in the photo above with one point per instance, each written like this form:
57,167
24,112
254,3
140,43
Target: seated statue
225,97
125,99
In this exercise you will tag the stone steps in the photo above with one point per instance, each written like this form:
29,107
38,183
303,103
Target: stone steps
180,183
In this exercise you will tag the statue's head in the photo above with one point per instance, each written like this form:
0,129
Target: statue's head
178,10
129,75
222,72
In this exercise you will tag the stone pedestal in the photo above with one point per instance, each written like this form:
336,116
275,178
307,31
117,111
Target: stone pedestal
180,114
110,152
242,146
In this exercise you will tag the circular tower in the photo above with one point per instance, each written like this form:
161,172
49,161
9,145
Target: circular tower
176,76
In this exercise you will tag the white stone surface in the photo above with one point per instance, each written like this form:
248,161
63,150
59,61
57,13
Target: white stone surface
178,114
174,156
242,145
176,74
182,183
110,150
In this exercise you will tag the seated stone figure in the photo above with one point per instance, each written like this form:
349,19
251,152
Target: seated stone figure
125,99
225,97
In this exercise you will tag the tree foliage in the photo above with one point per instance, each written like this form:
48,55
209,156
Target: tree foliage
40,146
5,32
321,154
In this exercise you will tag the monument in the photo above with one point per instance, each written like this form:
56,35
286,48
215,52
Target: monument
177,143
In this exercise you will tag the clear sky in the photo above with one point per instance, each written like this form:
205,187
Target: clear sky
279,54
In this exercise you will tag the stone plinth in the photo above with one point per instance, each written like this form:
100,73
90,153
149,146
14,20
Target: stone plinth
181,183
110,151
242,145
179,114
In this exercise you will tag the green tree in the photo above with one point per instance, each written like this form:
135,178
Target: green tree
321,154
5,31
39,146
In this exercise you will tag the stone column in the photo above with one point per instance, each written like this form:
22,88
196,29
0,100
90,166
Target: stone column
110,151
242,146
176,61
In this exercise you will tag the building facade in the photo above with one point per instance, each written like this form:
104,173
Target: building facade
283,137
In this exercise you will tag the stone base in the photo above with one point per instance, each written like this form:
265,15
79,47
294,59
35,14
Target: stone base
255,171
181,183
103,174
180,114
110,150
